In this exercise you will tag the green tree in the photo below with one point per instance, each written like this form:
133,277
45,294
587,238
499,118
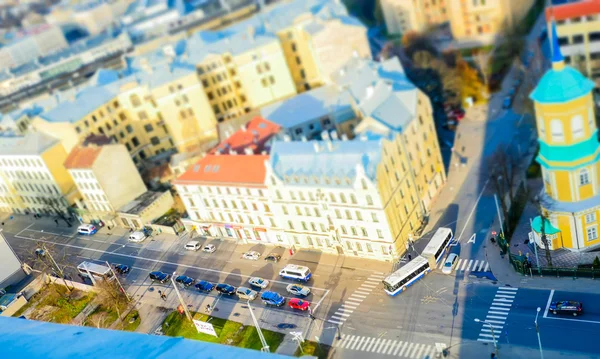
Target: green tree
596,263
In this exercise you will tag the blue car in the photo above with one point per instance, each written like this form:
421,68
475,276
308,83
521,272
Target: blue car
273,298
184,280
159,276
204,286
225,288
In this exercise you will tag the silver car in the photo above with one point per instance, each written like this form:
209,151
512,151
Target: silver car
450,263
297,289
245,293
258,282
252,255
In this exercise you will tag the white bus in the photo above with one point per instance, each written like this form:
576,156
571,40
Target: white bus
406,276
438,245
98,271
295,272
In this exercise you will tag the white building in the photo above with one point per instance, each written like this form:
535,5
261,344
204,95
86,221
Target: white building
226,196
32,43
326,196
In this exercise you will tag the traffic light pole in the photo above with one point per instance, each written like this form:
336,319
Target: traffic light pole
118,281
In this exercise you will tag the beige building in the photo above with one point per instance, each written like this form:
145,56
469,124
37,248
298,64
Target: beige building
33,178
144,209
106,178
470,20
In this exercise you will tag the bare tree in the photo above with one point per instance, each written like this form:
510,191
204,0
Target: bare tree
504,169
58,206
111,296
537,201
483,59
51,262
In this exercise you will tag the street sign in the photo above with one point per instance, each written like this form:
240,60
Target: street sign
204,327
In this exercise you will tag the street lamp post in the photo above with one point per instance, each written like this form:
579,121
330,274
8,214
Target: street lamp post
493,335
537,329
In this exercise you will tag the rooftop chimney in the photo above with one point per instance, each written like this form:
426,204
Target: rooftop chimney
370,91
232,152
304,139
244,127
317,147
330,146
325,136
344,137
248,151
287,138
334,135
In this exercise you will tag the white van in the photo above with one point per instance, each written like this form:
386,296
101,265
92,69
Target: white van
137,237
88,229
192,246
295,272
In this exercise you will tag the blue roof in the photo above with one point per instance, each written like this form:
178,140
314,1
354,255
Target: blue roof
556,53
561,85
569,207
85,102
298,158
22,338
308,106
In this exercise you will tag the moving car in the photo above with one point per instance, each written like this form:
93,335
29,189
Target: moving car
251,255
209,248
297,303
137,237
192,246
273,258
258,282
450,263
272,298
507,103
457,114
121,268
297,289
225,288
566,307
88,229
159,276
204,286
246,293
185,280
40,252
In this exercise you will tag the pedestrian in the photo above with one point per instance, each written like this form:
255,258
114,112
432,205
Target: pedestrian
164,297
56,221
409,257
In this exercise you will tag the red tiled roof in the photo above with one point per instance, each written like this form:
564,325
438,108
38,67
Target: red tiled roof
254,135
226,169
571,10
82,157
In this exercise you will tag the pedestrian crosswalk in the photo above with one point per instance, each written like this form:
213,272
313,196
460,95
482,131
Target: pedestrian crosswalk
388,346
496,317
354,300
469,265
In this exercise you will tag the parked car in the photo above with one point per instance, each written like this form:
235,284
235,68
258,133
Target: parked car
297,289
204,286
185,280
246,293
251,255
457,113
297,303
566,307
258,282
450,263
273,258
273,298
88,229
40,252
225,288
507,103
137,237
121,268
209,248
159,276
193,246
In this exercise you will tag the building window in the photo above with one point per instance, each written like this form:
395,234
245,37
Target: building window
349,245
577,126
578,39
594,36
369,200
584,177
354,232
590,218
344,229
556,129
374,217
592,233
290,225
369,248
148,127
364,231
135,141
379,233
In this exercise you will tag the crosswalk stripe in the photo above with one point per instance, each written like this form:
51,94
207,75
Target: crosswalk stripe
500,308
347,341
377,344
358,295
509,288
485,340
413,353
496,321
368,285
362,292
342,314
364,344
487,267
475,266
400,346
338,318
504,296
502,304
375,278
353,302
481,266
497,313
376,340
335,321
485,335
391,347
464,264
508,300
486,330
345,310
469,266
496,326
357,343
419,354
349,306
494,317
406,348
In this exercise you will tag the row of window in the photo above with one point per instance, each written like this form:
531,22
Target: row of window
352,246
243,219
332,197
21,162
99,207
32,175
557,131
233,203
312,226
34,187
219,190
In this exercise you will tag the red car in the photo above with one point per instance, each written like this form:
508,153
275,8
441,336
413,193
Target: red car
297,303
458,114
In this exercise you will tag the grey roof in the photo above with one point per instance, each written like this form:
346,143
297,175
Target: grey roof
34,143
142,202
298,158
85,101
569,207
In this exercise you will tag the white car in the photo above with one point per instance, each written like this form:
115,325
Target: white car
209,248
192,246
450,263
252,255
258,282
137,237
297,289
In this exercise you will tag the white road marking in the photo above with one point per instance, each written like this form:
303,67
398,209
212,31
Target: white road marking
504,300
469,266
367,342
345,310
24,229
501,304
393,344
415,350
338,318
342,314
494,317
485,340
481,266
353,302
372,286
475,265
374,344
548,303
474,207
499,308
508,288
575,320
358,295
504,296
486,335
494,312
348,306
495,321
357,343
464,264
400,346
362,292
408,349
487,267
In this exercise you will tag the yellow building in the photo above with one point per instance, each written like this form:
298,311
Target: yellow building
472,20
569,156
578,28
33,178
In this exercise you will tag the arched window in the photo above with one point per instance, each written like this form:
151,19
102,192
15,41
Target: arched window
577,126
542,126
556,129
584,177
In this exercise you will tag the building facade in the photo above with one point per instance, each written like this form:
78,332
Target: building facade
569,157
40,40
578,28
32,175
106,178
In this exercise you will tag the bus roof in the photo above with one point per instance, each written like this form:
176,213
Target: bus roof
296,267
407,268
435,242
93,267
